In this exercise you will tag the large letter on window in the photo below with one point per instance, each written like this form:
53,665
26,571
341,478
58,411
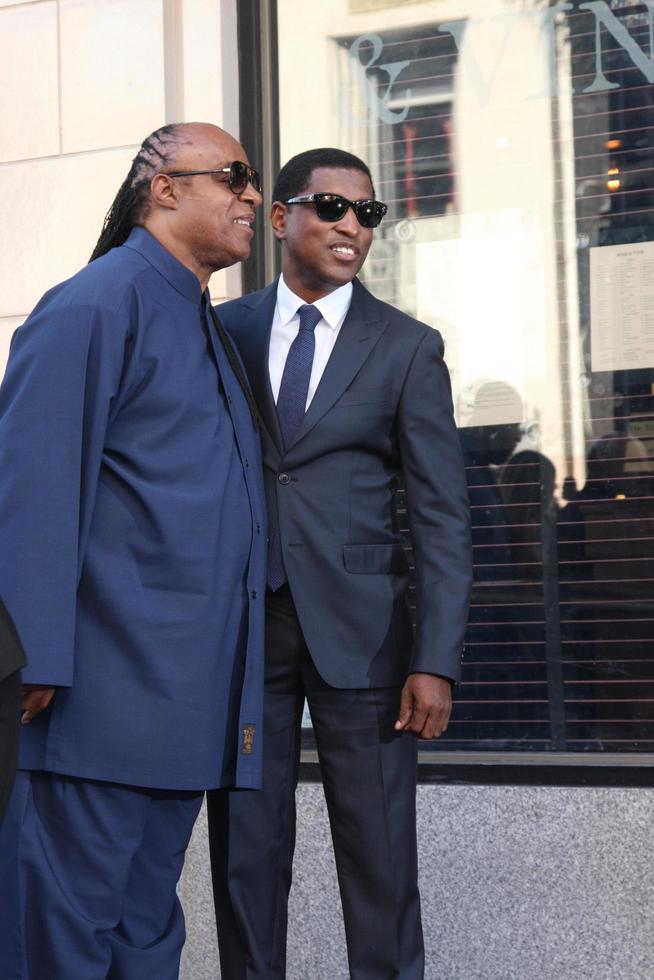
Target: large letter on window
603,15
378,106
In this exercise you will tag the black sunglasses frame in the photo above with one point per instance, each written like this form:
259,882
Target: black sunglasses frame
369,213
240,175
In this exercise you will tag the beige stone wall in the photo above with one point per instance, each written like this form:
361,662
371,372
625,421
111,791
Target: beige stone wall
83,82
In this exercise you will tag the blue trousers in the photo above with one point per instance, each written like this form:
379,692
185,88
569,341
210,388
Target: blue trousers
89,873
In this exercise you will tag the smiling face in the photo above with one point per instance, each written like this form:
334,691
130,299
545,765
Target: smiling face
319,256
199,219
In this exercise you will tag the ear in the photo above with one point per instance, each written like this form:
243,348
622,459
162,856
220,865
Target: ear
164,192
278,218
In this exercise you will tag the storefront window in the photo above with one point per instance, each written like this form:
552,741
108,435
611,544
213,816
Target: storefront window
513,142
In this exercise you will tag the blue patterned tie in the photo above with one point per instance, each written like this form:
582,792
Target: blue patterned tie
291,405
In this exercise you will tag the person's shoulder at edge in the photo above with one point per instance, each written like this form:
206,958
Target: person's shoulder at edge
230,311
105,282
248,299
105,288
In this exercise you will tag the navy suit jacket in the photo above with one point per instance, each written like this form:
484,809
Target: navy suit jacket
381,416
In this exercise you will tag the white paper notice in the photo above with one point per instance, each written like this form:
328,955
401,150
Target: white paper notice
622,307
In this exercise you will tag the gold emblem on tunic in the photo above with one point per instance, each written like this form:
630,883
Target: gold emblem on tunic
247,745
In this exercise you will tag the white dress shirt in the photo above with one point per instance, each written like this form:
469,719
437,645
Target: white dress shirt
286,325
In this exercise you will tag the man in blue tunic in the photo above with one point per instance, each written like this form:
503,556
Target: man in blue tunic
132,553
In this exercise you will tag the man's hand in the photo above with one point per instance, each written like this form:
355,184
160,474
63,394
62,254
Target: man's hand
425,705
35,699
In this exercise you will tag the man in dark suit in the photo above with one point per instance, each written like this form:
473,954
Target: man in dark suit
12,659
355,399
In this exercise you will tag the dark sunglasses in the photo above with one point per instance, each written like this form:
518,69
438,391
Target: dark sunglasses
240,175
332,207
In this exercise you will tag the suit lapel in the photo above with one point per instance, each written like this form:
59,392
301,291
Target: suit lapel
254,344
362,328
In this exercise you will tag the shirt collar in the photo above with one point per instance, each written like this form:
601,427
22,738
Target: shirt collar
333,306
179,277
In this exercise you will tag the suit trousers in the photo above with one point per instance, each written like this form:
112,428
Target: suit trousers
89,872
10,689
369,778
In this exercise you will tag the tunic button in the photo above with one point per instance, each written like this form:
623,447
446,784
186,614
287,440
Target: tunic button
258,529
284,478
254,593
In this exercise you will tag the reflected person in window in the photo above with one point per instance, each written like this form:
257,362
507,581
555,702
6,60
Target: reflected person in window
355,399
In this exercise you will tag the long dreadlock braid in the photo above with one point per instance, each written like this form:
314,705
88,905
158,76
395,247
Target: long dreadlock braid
130,203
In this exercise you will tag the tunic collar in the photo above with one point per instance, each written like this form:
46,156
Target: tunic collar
179,277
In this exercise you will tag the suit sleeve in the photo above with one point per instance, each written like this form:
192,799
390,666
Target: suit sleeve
55,400
439,514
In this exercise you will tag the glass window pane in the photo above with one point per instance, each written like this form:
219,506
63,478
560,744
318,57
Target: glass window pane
514,145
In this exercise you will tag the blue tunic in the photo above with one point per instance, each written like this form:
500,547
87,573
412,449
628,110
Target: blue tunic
132,538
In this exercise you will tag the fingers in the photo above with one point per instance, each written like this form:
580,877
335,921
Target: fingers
425,707
429,720
406,709
435,723
35,700
418,716
419,719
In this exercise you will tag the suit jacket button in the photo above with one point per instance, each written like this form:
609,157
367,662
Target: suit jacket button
284,478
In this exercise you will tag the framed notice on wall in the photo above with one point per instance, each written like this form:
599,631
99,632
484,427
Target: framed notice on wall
622,307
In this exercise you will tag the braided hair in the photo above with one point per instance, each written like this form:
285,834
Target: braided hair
130,204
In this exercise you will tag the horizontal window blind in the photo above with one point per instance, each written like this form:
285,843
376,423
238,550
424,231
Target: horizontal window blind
559,652
560,641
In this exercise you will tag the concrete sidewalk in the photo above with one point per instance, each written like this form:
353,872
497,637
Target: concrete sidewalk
518,883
